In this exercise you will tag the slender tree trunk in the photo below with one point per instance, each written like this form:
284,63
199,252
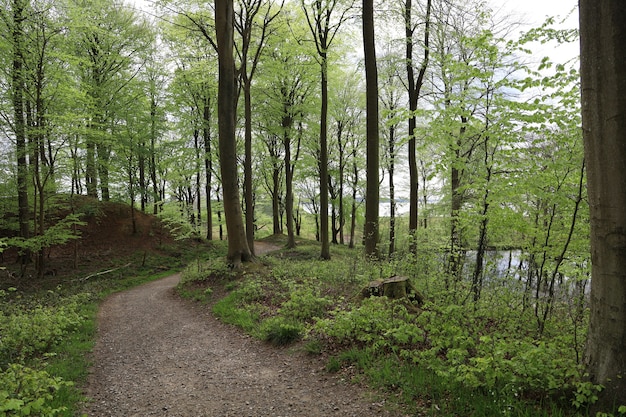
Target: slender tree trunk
141,162
291,241
355,181
91,182
208,168
247,166
104,156
342,158
455,263
414,88
371,231
238,250
603,76
17,80
392,191
276,223
323,163
153,167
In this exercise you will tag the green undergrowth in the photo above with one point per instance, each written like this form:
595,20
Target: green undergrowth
450,356
48,331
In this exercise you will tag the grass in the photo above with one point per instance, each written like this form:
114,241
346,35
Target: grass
70,357
284,301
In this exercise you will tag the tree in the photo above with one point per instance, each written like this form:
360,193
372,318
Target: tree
19,129
324,28
389,93
371,233
238,250
603,78
110,40
414,87
249,53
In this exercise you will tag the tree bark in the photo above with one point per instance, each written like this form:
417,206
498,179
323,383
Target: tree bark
371,232
603,81
414,88
208,164
238,250
17,81
247,166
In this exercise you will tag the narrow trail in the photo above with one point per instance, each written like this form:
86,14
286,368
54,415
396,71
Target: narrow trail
158,355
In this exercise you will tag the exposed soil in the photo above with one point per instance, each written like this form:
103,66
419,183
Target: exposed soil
159,355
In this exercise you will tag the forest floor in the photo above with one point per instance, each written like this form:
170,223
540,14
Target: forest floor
159,355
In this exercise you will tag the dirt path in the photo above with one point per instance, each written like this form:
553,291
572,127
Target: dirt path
157,355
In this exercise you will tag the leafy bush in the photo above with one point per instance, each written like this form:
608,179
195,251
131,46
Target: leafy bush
378,322
305,303
25,391
32,331
281,331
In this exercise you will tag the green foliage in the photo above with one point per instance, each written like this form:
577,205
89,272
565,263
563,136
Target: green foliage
25,392
280,331
28,332
58,234
304,303
586,393
229,311
379,323
178,225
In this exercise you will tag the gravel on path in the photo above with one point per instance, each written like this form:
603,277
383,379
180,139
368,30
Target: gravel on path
158,355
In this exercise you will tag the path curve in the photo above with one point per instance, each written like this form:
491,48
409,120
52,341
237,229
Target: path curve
158,355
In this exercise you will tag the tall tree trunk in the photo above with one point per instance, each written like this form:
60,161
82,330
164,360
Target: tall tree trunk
238,250
414,88
198,185
153,167
392,191
342,163
21,151
355,181
323,163
208,168
104,156
456,259
276,223
91,181
603,77
371,232
287,123
247,166
141,162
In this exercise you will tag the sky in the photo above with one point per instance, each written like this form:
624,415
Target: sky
534,13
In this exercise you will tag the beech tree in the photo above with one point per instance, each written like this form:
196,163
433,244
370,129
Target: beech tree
603,76
19,124
324,18
249,53
414,88
109,40
371,230
238,250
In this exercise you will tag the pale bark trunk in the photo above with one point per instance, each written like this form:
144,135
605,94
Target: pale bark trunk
603,76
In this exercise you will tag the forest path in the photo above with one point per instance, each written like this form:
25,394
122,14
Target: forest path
158,355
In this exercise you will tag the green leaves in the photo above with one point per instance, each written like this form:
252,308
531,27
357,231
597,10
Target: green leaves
25,392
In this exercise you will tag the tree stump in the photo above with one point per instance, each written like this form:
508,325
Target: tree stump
396,288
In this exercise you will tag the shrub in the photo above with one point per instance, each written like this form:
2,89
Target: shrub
25,391
30,332
304,304
281,331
